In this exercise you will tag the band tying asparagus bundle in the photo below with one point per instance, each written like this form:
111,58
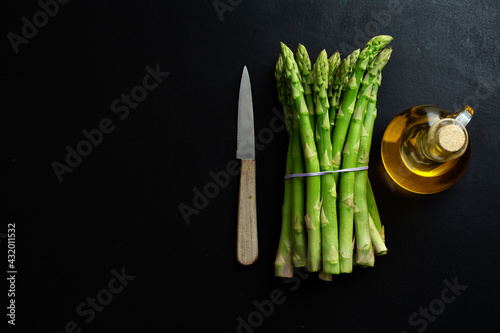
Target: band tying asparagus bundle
335,206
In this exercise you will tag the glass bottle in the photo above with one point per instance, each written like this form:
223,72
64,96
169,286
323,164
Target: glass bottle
426,149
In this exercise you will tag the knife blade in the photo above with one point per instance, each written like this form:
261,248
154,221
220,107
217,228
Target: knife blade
247,242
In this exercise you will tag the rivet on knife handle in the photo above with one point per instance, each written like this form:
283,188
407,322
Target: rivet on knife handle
247,244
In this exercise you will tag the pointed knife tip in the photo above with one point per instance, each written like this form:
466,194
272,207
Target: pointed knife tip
245,73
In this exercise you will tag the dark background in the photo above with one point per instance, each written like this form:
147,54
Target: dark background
119,207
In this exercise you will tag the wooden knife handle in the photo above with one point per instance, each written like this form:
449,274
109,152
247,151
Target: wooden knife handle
247,245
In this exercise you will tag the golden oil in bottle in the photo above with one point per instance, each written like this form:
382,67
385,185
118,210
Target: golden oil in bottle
426,149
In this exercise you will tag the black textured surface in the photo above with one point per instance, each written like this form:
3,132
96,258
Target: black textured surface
118,210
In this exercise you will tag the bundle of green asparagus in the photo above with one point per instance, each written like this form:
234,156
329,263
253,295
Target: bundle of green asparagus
330,221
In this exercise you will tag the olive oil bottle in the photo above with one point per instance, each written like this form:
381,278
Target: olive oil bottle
426,149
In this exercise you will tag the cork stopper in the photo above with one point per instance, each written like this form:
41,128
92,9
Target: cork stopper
451,138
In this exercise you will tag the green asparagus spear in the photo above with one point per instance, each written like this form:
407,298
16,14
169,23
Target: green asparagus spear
340,80
311,161
333,63
378,241
372,205
361,222
376,66
283,266
329,232
304,65
299,241
346,184
283,263
364,234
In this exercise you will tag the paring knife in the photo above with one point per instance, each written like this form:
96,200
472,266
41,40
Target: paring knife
247,244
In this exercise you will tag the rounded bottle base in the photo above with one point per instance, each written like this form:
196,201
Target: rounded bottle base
409,180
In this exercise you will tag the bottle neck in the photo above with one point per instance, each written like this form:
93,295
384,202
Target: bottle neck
447,139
